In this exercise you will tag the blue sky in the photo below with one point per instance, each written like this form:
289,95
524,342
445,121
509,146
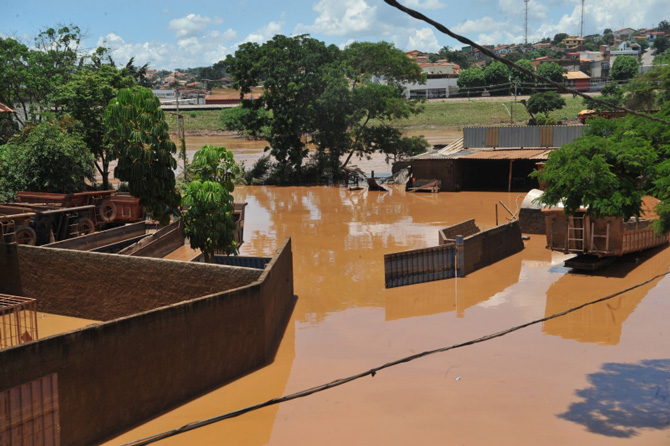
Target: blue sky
191,33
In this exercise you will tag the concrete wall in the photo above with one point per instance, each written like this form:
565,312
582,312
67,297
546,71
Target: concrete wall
480,249
115,375
531,221
104,286
491,245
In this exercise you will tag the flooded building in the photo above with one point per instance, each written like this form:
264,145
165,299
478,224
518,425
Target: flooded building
491,158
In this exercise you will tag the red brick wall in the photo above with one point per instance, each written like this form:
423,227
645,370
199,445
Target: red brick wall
116,375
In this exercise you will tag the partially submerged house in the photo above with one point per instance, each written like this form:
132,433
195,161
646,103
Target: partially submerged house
491,158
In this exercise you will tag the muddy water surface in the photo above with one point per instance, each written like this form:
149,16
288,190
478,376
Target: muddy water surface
598,376
249,151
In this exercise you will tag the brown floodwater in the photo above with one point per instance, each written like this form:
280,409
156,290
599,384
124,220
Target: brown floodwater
599,376
249,151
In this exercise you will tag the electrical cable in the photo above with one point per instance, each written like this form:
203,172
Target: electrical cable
372,372
443,29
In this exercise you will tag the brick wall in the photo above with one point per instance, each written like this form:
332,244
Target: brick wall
491,245
115,375
105,286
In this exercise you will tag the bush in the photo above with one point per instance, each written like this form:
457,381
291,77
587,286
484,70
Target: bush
45,158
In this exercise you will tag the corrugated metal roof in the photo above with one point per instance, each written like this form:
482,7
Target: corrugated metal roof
445,152
576,75
509,154
5,109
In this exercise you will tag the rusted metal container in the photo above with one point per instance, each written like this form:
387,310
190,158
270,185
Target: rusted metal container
111,207
602,237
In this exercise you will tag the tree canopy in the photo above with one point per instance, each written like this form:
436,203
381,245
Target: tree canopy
138,134
616,162
313,93
471,81
208,220
44,158
624,68
497,77
545,102
551,71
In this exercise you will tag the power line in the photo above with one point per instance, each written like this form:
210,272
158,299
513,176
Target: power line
443,29
372,372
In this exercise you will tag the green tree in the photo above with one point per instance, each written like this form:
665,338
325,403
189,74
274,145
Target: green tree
560,37
350,119
471,81
138,134
524,83
624,68
545,102
291,70
615,164
208,221
551,71
28,77
85,98
664,26
314,93
44,158
454,56
497,77
251,122
661,43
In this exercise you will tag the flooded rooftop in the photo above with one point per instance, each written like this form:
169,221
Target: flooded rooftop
599,376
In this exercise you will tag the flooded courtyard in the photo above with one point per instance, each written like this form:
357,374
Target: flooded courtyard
598,376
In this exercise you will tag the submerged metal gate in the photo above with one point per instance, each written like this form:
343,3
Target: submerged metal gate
424,265
29,414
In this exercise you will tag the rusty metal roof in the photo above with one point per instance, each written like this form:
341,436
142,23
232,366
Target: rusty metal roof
517,154
5,109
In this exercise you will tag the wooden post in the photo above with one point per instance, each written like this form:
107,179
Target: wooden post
509,183
460,258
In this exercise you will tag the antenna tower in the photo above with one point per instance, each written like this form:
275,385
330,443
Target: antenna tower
525,32
581,29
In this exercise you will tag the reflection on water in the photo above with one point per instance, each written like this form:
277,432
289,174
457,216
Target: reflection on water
248,151
602,323
345,321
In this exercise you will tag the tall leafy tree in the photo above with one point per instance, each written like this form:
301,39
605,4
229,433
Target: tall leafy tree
497,78
28,77
523,82
624,68
458,57
551,71
208,221
471,81
44,158
138,134
355,110
545,102
291,70
85,98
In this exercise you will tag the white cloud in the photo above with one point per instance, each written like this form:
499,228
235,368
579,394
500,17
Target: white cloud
341,18
192,25
425,40
188,52
427,4
265,33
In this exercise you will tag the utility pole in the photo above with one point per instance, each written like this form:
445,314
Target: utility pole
525,33
581,29
180,133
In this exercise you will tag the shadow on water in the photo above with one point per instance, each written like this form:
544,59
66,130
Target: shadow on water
623,265
625,398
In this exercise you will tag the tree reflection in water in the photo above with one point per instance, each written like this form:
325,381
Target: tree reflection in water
625,398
